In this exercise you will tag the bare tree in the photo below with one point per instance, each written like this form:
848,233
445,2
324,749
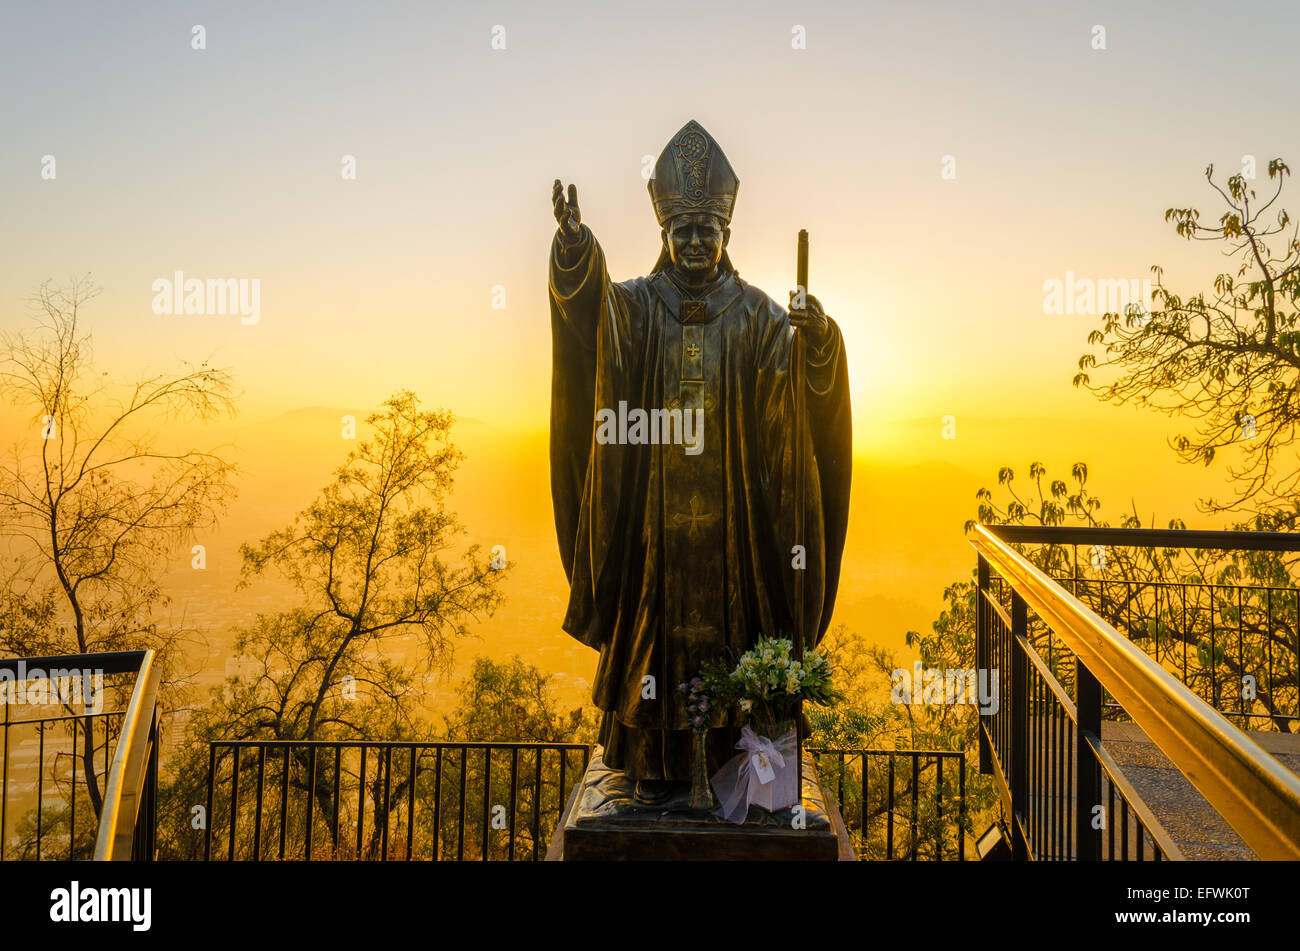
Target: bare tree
91,499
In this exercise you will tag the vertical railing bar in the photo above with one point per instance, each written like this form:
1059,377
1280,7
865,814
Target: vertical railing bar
1038,767
1129,597
537,802
1020,725
338,795
1061,789
1214,666
862,824
1045,794
889,811
983,662
514,788
311,800
961,809
1187,635
938,809
1034,754
1110,820
1155,590
4,783
1072,803
487,799
916,808
257,812
437,804
284,801
1123,842
40,787
361,800
207,816
414,773
151,790
1042,796
1241,652
1268,638
234,795
840,786
72,819
460,831
564,789
1058,778
388,803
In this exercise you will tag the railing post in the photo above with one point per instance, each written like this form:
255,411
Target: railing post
1088,789
4,783
207,816
145,841
1019,726
982,658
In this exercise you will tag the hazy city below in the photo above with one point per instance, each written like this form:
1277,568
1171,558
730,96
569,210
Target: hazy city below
905,540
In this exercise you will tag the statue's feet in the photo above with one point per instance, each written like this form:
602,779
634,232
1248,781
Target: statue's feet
653,792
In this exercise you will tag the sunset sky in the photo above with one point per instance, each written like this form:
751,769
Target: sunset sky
226,162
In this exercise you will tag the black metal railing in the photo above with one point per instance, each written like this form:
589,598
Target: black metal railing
899,804
373,800
298,800
61,795
1062,792
1235,644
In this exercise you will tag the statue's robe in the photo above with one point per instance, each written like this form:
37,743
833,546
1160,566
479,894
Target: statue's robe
674,558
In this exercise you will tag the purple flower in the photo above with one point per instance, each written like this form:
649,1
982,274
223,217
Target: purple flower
704,704
697,721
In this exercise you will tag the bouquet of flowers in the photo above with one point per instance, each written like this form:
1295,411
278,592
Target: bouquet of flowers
767,683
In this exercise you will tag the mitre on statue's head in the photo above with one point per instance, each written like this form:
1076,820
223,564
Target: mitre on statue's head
693,176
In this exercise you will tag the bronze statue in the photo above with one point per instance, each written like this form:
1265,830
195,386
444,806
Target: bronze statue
678,549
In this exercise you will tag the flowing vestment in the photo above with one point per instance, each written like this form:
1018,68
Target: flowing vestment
674,557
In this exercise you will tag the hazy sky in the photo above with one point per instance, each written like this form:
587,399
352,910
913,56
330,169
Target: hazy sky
226,162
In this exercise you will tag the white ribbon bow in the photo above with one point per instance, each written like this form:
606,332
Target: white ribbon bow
749,784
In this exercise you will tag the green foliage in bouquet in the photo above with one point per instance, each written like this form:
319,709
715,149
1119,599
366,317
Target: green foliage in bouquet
767,682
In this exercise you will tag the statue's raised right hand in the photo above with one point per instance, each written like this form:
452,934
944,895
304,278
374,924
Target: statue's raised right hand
567,215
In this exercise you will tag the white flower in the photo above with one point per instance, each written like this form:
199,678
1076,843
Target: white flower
747,705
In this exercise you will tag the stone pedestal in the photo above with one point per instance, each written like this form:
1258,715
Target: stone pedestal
603,822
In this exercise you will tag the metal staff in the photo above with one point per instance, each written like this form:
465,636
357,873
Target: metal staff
797,379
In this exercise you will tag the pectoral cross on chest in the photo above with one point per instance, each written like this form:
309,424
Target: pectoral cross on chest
695,382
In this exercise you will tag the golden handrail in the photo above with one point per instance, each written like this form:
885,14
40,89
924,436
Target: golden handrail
127,776
1250,789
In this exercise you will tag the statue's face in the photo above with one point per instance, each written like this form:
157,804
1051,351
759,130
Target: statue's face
695,244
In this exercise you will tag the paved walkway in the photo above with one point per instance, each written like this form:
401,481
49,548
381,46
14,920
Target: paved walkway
1200,832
